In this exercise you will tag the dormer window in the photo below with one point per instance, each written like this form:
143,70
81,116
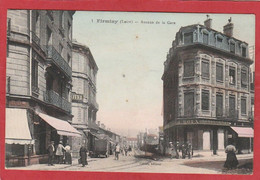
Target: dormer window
205,38
232,47
188,38
243,51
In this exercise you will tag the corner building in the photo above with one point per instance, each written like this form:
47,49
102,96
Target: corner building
83,96
206,89
38,84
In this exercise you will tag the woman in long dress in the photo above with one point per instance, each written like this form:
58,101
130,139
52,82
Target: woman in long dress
231,161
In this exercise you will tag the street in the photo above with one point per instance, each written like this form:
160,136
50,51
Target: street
135,163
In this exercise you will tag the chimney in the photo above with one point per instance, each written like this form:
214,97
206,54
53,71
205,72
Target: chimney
228,28
208,22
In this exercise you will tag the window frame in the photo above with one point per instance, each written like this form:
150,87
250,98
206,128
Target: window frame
222,74
217,105
188,34
188,104
188,74
205,92
244,84
244,99
231,49
203,75
234,78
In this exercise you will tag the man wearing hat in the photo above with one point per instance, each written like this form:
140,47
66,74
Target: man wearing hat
177,149
51,150
59,152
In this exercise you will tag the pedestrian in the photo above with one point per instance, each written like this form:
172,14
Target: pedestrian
231,160
68,154
126,150
177,149
51,150
83,155
117,151
171,149
183,150
59,152
189,150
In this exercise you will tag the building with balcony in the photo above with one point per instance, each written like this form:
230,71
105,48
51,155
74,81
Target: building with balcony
39,75
206,89
83,96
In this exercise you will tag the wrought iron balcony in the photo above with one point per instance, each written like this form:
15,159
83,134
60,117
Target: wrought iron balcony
51,97
8,79
54,56
35,38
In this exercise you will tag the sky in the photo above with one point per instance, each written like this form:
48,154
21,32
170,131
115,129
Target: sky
130,49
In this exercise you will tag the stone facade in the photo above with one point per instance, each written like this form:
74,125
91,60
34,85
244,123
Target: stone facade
38,69
209,91
84,105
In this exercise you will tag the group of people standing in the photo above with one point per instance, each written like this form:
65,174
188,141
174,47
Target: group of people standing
62,154
185,149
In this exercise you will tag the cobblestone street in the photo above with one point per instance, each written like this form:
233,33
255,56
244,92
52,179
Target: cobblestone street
196,165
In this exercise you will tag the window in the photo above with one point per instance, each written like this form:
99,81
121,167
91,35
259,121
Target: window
188,68
188,103
232,106
62,20
232,47
205,38
252,101
219,40
219,105
35,76
243,105
8,26
188,38
69,31
205,100
219,72
49,37
243,51
205,69
232,75
244,78
69,59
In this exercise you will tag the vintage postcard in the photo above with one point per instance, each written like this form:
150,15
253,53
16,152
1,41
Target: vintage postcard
138,92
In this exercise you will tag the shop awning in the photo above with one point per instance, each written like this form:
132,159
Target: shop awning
244,131
16,127
63,127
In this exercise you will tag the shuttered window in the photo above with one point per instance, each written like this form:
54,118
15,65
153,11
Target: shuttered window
205,100
219,72
243,105
188,68
188,103
219,105
232,106
243,78
205,69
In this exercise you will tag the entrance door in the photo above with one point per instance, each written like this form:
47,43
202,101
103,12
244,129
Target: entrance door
190,137
206,140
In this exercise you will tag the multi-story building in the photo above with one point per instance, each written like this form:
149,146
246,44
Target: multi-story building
131,142
38,73
206,89
84,105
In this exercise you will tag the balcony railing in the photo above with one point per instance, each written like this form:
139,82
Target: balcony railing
54,56
8,79
51,97
35,38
